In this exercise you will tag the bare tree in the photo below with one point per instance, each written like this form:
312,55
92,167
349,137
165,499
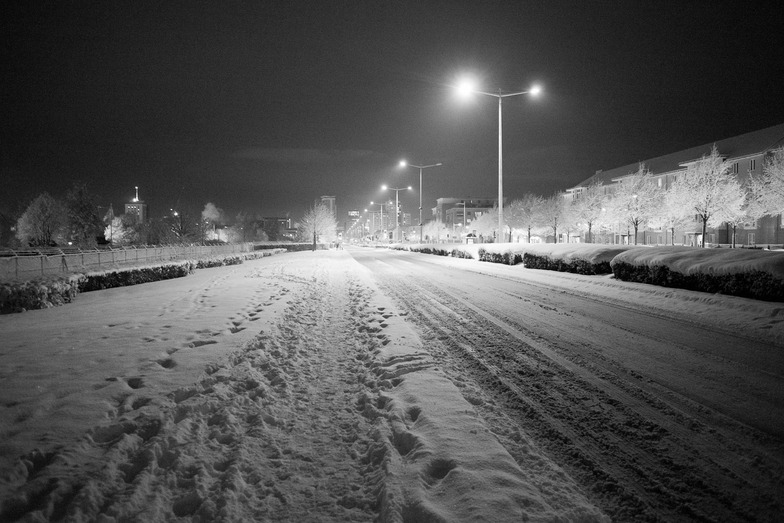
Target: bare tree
84,223
709,190
43,223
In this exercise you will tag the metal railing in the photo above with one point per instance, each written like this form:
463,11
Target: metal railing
16,265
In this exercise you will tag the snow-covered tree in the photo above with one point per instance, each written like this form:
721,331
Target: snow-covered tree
43,223
434,230
570,220
552,213
670,216
636,200
121,230
737,213
487,224
588,207
709,190
767,190
524,213
319,225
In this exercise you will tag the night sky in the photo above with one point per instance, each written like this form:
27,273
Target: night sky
265,106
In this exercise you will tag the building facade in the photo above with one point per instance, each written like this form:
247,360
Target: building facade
329,201
136,208
746,155
450,210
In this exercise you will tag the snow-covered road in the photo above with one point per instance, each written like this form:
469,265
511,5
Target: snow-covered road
661,403
369,385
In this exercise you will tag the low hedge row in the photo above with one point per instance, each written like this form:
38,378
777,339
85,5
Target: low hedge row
758,285
445,250
52,291
575,265
290,247
134,276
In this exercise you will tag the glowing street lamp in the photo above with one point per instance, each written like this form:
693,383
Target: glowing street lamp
397,205
465,89
403,163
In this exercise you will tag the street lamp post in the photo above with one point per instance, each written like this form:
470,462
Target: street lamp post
403,163
467,88
465,219
397,206
381,210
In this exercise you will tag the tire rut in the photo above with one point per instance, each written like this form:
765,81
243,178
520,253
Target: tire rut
634,453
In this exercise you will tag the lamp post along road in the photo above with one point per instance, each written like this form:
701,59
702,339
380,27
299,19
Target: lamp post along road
466,88
381,211
397,206
403,163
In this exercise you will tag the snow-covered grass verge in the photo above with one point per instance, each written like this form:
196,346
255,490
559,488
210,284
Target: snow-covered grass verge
747,273
52,291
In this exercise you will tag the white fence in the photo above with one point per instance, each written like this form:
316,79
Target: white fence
26,265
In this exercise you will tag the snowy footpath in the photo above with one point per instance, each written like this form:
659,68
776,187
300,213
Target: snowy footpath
285,389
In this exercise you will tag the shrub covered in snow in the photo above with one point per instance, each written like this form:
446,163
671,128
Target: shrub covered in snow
579,258
505,256
218,262
739,272
40,293
94,281
445,249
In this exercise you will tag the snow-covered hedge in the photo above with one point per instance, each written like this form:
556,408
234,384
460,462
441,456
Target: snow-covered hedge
579,258
749,273
94,281
50,291
441,249
40,293
565,257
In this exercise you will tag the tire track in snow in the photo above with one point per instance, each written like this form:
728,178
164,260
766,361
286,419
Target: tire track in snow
636,454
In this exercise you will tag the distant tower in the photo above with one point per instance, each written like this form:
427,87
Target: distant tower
329,201
137,208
